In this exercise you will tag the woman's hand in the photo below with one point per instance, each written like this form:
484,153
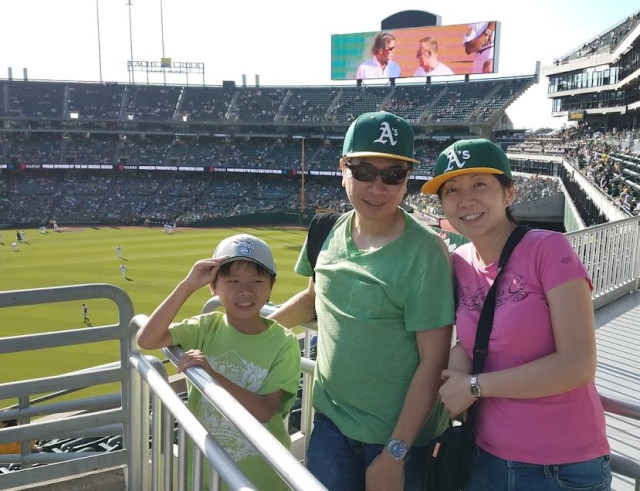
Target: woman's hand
455,393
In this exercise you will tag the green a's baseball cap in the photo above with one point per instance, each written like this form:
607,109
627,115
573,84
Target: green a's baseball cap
478,155
379,134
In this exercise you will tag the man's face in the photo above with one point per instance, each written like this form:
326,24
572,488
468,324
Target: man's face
374,200
385,55
425,57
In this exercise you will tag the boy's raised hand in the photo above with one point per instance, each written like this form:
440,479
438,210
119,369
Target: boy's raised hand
203,272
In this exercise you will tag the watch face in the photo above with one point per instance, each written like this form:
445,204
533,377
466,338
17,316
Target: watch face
475,387
397,449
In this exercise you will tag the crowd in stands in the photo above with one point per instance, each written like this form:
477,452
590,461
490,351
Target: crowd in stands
528,188
610,160
605,42
136,197
35,196
73,101
183,150
120,193
143,198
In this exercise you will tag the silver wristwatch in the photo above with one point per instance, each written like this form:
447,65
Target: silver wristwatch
398,450
474,387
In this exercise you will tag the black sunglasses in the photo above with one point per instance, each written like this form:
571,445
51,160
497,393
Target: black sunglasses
368,173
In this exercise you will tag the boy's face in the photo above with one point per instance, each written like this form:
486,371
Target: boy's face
243,291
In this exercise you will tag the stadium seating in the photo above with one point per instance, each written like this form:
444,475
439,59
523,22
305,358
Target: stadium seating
95,101
603,42
133,131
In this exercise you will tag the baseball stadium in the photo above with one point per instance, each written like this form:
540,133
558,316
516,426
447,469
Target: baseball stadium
111,191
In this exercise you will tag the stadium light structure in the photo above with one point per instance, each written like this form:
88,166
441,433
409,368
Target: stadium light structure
99,43
164,73
131,76
301,138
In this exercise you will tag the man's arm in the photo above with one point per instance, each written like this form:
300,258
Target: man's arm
298,309
459,360
385,473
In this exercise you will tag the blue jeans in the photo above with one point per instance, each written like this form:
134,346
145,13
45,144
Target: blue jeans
340,462
491,473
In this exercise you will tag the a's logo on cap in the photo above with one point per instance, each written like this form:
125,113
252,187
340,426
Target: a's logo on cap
244,247
387,132
457,159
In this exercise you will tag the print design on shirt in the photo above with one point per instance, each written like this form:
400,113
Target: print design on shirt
246,374
473,300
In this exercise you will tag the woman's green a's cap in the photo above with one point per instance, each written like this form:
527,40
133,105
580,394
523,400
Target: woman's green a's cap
478,155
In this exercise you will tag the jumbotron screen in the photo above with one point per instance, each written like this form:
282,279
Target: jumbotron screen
457,49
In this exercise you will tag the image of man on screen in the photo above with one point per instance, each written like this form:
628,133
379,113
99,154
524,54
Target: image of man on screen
480,39
428,59
381,65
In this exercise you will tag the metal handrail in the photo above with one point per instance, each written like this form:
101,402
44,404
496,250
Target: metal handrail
105,422
209,447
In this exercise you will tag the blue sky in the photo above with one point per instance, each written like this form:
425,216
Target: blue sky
286,42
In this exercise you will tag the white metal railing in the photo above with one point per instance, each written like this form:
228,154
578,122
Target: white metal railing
166,405
611,254
92,416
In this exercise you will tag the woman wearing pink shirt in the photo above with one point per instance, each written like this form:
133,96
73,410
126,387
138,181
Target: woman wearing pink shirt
539,423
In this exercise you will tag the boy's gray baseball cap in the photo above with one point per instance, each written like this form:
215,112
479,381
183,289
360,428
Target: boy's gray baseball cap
245,247
379,134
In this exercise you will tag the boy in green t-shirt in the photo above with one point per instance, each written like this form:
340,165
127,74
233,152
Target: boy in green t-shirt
255,359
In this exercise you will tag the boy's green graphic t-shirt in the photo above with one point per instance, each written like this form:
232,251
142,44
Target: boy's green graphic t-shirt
262,363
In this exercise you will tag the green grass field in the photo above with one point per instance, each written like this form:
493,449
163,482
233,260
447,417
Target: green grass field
155,262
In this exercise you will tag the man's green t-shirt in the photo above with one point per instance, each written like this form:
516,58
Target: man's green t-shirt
369,306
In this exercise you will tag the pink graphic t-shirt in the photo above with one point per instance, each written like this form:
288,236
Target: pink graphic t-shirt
558,429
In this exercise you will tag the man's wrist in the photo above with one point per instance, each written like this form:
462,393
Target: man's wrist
398,450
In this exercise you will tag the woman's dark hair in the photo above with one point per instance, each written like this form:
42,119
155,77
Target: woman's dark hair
259,268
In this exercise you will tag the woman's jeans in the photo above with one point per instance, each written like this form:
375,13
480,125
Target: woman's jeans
491,473
340,463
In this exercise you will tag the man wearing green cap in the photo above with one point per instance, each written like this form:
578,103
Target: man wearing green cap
383,299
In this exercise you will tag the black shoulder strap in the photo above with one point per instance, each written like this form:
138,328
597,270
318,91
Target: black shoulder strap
319,228
485,324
